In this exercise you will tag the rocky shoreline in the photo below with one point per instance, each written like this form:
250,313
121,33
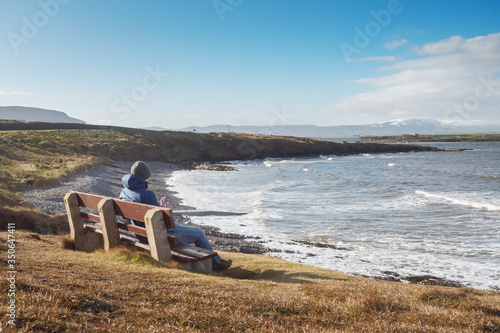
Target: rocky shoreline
105,180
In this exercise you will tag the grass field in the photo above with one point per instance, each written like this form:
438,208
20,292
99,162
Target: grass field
62,290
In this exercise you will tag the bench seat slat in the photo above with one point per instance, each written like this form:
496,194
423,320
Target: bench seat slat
136,230
180,257
91,217
193,251
123,226
133,228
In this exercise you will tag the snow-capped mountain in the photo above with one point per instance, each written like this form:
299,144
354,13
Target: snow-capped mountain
393,127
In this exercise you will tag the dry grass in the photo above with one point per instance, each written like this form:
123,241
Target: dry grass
62,290
27,217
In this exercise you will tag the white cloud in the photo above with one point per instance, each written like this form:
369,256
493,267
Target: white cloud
395,44
458,78
480,44
445,46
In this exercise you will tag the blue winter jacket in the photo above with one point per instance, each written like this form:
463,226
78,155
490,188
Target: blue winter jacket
134,189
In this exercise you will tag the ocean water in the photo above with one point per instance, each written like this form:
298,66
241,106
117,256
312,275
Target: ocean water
425,213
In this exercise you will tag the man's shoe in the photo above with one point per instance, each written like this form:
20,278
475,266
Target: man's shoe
224,264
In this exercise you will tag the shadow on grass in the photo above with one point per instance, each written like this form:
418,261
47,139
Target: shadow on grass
278,276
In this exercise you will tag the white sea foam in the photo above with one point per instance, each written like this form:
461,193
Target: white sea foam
462,202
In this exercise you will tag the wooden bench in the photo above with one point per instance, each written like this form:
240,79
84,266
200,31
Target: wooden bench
97,227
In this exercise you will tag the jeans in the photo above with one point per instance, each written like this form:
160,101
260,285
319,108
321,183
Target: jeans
196,236
186,235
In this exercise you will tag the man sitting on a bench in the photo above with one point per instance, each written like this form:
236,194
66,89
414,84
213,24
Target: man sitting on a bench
135,189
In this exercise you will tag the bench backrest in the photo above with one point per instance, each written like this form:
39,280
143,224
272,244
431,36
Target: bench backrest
157,220
126,209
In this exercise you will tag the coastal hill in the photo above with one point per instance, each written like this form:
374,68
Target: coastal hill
30,114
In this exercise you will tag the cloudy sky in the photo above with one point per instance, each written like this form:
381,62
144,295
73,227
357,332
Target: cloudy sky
175,63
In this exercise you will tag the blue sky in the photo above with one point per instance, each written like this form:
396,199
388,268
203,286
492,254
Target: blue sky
175,63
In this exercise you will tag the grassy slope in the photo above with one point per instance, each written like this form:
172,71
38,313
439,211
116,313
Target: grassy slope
62,290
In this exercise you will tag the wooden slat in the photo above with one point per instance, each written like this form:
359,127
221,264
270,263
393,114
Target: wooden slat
128,227
88,200
194,251
91,217
93,227
132,240
133,229
140,245
180,257
137,211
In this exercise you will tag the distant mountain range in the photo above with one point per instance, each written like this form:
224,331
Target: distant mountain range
22,113
394,127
